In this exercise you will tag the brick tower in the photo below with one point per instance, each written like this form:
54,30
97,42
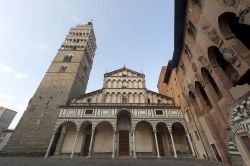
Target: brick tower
66,77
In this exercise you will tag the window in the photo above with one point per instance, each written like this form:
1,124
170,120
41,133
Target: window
158,112
148,100
159,101
124,75
124,87
191,29
199,3
89,100
88,112
196,135
124,99
63,69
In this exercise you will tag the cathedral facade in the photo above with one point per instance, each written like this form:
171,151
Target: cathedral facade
123,119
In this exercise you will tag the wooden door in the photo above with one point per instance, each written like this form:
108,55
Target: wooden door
123,143
160,145
86,145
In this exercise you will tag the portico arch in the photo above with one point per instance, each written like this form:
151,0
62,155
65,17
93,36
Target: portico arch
124,126
84,137
164,140
144,139
103,140
180,140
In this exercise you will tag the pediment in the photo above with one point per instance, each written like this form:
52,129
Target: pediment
124,72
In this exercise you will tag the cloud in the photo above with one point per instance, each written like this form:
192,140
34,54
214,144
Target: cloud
20,76
42,46
5,68
63,5
76,18
5,97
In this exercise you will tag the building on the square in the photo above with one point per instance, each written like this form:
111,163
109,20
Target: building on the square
209,76
123,119
4,137
6,117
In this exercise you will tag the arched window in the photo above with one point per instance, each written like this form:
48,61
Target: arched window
217,60
63,69
230,27
67,58
209,79
203,94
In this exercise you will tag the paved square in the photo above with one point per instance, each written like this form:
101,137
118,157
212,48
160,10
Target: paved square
29,161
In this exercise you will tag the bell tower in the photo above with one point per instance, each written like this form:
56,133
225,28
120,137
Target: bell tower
66,77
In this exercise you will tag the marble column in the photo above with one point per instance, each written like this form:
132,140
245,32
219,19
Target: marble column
134,144
156,144
172,140
91,143
49,147
74,145
190,144
60,141
114,136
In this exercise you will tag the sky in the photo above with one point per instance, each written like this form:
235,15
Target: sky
135,33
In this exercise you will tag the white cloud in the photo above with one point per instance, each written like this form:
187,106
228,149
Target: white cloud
20,76
42,46
63,5
5,68
5,97
76,18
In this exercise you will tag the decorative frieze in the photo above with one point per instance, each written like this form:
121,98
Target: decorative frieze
203,60
230,56
244,16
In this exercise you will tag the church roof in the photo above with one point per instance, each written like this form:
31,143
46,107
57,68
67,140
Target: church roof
123,69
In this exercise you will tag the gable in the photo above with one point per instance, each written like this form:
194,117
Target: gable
124,72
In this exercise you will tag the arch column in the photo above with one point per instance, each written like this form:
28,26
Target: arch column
50,145
60,141
156,143
190,142
172,140
91,142
134,147
74,145
114,141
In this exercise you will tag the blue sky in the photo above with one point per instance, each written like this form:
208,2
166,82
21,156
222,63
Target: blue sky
135,33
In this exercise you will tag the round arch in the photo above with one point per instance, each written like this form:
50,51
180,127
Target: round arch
180,140
230,27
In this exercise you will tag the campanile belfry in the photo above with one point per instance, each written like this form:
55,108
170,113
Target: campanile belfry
66,77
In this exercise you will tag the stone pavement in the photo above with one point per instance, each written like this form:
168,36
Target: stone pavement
29,161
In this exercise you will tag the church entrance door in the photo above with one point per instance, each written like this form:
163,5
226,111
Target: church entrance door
123,143
86,145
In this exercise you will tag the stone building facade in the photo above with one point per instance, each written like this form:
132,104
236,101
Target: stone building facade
6,117
66,77
209,76
123,119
